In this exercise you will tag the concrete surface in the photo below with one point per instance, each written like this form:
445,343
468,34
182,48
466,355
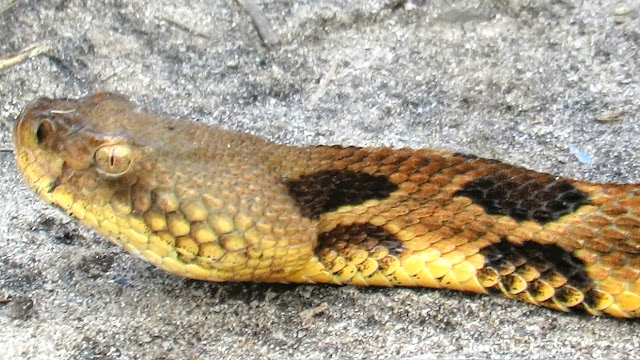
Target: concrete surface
522,81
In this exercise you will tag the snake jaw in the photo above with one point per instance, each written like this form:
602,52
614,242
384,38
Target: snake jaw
38,177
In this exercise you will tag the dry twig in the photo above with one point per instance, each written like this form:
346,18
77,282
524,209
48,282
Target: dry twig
7,4
25,54
259,22
323,85
182,25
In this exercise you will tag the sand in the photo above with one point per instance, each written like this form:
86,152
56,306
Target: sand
550,85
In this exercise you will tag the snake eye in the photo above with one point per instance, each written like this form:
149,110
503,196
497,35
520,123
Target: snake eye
43,132
114,159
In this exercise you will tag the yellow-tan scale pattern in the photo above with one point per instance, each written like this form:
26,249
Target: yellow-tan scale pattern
215,205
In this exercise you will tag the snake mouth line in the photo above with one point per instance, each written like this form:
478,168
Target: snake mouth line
45,186
52,185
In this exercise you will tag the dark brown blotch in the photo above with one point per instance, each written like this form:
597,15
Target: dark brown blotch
595,298
495,290
357,236
568,296
524,195
325,191
535,288
465,156
550,260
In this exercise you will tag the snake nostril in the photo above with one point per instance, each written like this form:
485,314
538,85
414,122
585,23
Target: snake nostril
43,131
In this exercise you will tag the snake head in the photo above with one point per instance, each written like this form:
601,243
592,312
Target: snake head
62,141
189,198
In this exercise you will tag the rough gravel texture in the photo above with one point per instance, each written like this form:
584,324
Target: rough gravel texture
522,81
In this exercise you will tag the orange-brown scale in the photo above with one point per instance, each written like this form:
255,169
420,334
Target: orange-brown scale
223,206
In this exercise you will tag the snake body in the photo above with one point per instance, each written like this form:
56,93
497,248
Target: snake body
217,205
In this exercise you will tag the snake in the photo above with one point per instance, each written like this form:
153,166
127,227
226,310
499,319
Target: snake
212,204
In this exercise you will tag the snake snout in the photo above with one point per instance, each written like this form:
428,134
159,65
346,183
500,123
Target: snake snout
36,136
23,128
41,121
